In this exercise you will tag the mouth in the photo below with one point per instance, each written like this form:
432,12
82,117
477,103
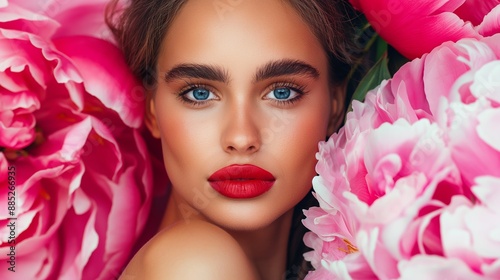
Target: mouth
241,181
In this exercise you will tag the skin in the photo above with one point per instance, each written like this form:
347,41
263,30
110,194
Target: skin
242,122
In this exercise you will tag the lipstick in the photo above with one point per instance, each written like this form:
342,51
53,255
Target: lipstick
241,181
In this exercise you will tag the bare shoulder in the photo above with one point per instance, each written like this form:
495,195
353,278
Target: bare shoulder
195,250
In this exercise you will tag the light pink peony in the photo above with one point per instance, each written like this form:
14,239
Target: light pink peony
410,186
416,27
70,120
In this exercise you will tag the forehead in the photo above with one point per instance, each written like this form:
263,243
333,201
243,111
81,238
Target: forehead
239,31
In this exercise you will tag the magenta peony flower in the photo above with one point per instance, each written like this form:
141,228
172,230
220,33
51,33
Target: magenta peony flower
410,186
416,27
70,142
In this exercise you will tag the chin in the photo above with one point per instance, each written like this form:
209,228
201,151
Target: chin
246,216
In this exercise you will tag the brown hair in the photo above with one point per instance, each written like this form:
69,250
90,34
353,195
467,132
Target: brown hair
141,26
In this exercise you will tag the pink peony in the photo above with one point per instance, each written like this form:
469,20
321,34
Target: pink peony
416,27
410,186
70,122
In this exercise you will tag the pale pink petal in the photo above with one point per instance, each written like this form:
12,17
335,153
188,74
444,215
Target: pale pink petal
322,273
470,153
487,128
486,83
380,260
353,266
457,239
419,159
493,43
358,267
327,226
493,270
408,85
312,240
434,67
435,267
484,226
488,192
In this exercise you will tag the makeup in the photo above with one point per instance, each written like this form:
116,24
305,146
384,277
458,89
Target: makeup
241,181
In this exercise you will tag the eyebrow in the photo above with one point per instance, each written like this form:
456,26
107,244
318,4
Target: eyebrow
285,67
197,71
272,69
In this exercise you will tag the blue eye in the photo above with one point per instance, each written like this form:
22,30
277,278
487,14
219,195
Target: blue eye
201,94
198,94
282,93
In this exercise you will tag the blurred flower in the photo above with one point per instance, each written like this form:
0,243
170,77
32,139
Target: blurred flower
416,27
70,120
411,183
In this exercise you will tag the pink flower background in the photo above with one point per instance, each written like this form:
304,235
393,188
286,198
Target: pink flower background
71,119
416,27
410,187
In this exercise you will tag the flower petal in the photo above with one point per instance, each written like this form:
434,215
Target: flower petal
106,76
491,23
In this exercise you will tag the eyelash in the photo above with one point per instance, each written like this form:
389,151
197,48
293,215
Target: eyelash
182,94
300,89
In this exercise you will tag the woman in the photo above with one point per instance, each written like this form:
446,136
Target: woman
240,93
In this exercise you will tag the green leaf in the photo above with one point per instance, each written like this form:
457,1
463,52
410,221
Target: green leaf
372,79
381,48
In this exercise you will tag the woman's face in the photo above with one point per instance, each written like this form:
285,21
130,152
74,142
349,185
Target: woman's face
241,84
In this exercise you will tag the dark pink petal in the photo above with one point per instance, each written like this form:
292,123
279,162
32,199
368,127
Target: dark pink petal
84,19
475,10
4,169
80,239
491,23
17,131
106,76
15,17
416,27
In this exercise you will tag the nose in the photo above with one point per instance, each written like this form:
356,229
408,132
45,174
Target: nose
241,133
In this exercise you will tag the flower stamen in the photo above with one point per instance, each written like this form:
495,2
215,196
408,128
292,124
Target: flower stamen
12,155
350,248
44,194
66,117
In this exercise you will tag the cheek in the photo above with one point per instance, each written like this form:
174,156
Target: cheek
300,145
180,137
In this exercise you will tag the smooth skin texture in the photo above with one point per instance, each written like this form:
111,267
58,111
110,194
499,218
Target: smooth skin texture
247,86
181,253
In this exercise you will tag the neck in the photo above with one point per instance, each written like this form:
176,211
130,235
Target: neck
265,247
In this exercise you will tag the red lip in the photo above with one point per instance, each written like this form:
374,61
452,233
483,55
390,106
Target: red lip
241,181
